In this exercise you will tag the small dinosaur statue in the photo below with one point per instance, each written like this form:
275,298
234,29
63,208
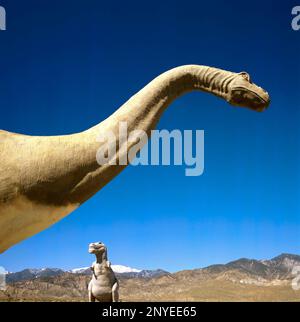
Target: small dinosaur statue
104,286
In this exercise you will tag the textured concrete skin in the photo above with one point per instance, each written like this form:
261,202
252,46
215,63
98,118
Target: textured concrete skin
104,286
43,179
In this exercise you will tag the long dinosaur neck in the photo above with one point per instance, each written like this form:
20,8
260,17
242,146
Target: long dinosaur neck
142,112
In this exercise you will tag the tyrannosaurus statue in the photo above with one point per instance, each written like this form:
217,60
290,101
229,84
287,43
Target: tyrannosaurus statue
104,286
43,179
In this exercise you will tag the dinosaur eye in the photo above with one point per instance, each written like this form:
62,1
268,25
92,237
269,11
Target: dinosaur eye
246,76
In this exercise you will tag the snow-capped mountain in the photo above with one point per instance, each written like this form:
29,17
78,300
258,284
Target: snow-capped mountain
118,269
80,270
32,273
121,269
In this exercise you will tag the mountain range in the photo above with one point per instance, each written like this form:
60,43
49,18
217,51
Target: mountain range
280,267
240,280
121,271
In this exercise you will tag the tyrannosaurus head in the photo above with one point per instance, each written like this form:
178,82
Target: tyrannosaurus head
244,93
97,248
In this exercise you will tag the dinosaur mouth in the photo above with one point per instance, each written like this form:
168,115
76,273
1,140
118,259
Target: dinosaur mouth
251,99
96,248
266,101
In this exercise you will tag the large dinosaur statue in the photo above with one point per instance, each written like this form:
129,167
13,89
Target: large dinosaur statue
43,179
104,286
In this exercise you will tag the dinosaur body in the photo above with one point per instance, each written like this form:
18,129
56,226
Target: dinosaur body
43,179
104,286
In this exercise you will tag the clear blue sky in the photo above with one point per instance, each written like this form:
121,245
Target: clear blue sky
67,65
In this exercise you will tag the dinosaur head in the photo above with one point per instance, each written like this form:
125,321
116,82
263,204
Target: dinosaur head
97,248
246,94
